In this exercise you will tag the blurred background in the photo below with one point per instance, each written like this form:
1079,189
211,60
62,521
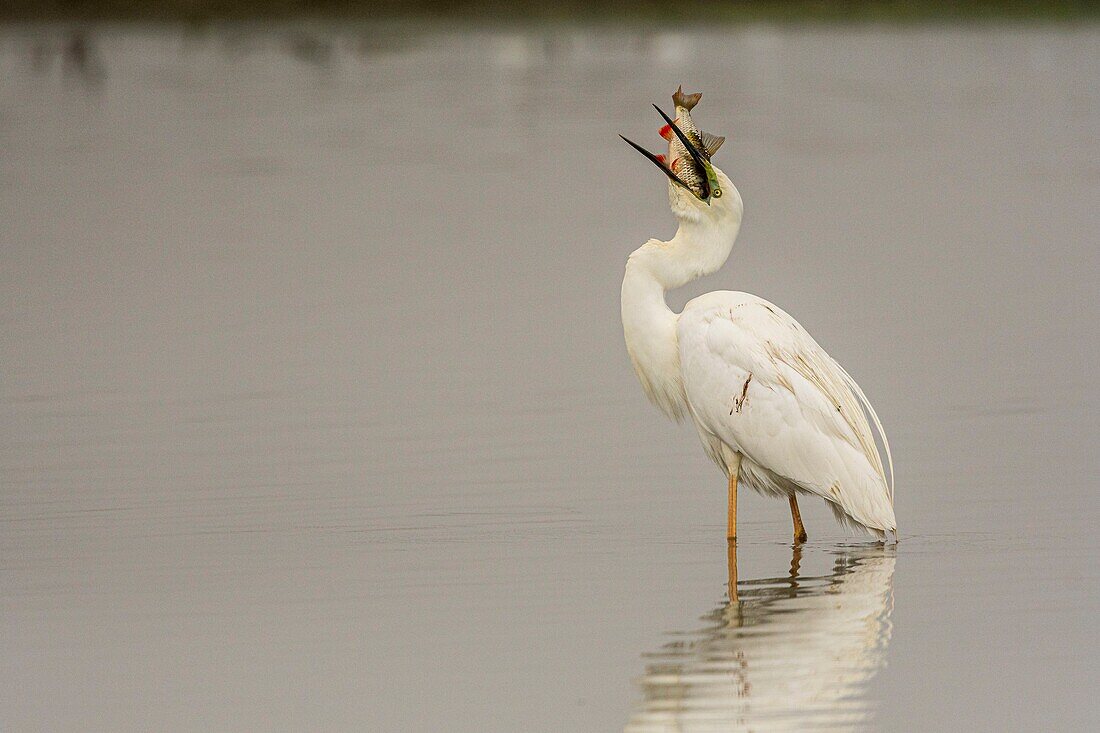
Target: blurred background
315,411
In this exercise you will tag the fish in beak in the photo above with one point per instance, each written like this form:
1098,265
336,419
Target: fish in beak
703,141
688,162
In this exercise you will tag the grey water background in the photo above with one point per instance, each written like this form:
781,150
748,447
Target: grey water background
316,413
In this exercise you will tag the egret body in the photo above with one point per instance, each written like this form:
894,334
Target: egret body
773,410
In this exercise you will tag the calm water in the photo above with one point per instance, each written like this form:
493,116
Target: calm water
316,413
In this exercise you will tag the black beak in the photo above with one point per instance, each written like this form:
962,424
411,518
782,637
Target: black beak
695,156
653,158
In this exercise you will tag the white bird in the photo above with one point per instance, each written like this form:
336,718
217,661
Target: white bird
773,409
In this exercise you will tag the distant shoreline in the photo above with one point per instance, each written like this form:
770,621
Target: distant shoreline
682,12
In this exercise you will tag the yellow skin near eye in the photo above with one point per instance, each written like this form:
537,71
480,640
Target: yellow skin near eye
712,179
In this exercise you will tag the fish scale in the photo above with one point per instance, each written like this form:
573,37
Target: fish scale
680,160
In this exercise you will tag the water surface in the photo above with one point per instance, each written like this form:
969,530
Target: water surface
316,414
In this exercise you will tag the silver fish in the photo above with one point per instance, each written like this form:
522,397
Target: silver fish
689,150
680,160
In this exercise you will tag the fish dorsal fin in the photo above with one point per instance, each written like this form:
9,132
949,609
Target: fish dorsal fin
711,142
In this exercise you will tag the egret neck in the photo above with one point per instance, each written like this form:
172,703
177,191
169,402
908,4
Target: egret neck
701,246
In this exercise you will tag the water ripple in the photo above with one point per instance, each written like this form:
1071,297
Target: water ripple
792,653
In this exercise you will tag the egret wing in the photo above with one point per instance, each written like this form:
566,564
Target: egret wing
759,382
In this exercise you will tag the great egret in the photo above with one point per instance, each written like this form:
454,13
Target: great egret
773,410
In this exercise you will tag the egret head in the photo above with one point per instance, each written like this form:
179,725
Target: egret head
696,188
687,206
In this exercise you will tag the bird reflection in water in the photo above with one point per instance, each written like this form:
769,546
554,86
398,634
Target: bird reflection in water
785,654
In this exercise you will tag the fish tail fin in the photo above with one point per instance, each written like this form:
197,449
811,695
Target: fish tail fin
687,101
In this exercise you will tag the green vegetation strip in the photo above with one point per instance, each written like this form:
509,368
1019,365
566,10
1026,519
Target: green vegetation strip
679,11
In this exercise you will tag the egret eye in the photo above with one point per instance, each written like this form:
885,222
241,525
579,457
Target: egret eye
717,193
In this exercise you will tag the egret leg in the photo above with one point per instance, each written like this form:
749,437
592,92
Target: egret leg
799,530
731,526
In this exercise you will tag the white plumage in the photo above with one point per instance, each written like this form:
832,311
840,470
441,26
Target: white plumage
773,409
789,409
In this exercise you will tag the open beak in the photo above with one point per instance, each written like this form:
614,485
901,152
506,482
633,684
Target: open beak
696,157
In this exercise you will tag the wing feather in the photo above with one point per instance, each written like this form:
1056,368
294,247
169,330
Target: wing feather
740,355
808,359
870,409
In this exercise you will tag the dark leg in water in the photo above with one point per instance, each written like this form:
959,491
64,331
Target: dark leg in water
799,530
